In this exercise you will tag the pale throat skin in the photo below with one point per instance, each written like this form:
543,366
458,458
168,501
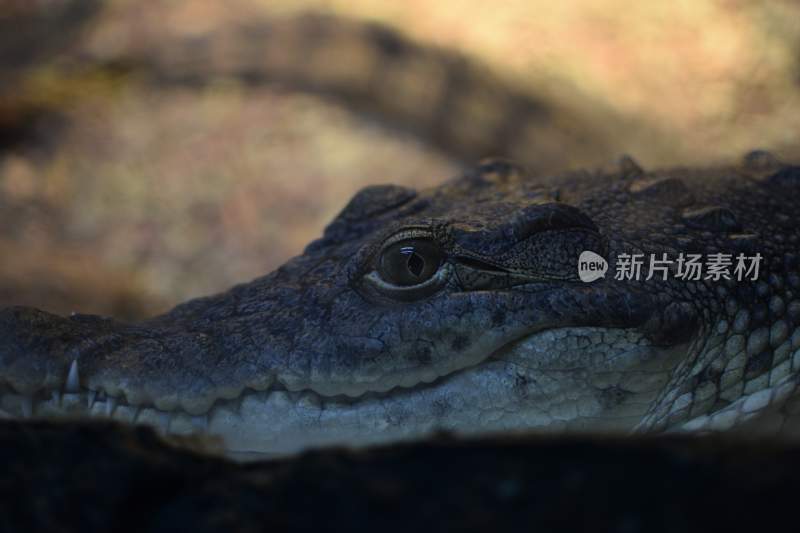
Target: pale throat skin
459,307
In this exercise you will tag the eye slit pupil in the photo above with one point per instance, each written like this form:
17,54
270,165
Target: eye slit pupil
410,262
416,264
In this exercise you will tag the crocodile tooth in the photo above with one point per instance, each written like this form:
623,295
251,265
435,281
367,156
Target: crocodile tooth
309,400
73,378
56,395
137,410
26,402
91,398
200,422
111,404
165,420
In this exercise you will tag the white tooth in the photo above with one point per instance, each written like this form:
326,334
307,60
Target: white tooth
165,419
200,422
91,398
111,404
57,398
98,409
309,400
73,379
136,412
26,402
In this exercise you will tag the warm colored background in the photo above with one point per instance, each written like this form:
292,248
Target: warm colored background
136,198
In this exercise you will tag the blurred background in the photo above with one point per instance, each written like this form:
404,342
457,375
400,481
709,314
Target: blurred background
123,196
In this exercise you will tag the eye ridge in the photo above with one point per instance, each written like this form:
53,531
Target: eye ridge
410,261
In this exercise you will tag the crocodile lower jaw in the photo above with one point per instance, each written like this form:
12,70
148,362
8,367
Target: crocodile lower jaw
545,381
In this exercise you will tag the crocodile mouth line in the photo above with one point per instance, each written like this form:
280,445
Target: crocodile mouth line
251,405
77,400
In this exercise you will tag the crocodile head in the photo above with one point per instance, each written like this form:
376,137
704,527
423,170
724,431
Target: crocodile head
459,307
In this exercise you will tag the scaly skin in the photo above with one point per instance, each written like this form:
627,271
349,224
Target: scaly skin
496,333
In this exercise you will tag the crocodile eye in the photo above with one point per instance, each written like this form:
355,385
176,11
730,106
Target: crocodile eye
410,262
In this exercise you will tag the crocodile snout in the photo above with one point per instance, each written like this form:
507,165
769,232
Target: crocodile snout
36,348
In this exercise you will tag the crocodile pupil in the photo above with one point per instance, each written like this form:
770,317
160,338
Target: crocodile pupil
410,262
416,264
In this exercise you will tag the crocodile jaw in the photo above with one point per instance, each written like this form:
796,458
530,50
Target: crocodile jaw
572,379
531,385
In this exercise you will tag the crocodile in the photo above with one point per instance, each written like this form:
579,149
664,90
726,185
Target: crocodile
462,307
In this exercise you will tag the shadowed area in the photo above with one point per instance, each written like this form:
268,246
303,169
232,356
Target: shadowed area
107,477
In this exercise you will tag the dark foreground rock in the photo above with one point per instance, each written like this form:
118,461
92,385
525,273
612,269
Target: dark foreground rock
105,477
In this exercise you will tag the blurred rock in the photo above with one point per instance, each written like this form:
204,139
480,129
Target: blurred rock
31,32
198,188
